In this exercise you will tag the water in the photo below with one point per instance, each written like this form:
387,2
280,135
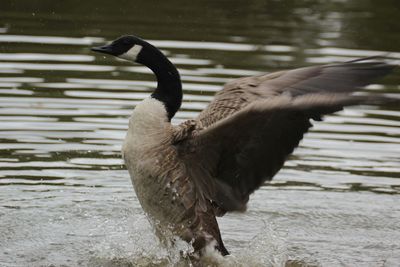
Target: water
65,196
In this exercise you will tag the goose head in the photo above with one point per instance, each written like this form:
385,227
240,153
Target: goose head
132,48
126,47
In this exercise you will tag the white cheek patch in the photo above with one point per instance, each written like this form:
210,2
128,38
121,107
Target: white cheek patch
132,53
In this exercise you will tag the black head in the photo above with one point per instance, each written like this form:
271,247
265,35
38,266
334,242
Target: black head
132,48
127,47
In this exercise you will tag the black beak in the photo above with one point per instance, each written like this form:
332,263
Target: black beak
106,49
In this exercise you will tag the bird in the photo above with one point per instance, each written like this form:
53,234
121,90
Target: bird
186,175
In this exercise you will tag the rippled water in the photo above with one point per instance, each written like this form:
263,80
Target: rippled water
65,196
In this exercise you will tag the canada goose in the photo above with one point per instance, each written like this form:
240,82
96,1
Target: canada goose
185,175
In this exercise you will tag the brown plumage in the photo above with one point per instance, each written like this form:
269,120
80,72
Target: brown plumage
188,174
254,123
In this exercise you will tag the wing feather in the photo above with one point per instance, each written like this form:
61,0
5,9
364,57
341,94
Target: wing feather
334,78
255,123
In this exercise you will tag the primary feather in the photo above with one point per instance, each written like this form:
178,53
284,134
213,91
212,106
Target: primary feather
254,123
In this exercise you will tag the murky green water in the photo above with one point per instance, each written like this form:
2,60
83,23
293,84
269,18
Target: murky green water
65,197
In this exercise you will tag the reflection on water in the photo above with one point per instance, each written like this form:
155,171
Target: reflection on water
65,197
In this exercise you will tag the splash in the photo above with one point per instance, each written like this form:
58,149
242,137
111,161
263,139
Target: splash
140,247
267,248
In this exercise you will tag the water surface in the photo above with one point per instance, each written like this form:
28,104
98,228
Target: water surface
65,196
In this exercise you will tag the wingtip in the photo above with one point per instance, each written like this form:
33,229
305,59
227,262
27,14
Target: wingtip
382,61
380,57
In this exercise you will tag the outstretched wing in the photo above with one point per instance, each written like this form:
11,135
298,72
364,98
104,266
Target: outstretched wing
249,142
333,78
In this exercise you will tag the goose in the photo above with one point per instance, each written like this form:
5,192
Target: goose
188,174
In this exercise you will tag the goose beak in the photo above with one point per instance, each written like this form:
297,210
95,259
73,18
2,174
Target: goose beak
105,49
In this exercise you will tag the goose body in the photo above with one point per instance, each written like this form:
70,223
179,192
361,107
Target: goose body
185,175
160,180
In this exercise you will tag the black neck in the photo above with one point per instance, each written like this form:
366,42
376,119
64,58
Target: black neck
169,87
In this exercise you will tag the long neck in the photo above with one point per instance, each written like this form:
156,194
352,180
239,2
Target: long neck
169,87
